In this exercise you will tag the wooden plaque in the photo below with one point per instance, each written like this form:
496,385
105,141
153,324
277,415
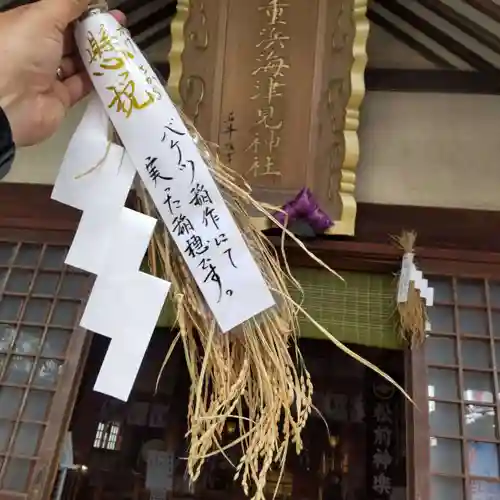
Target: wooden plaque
278,85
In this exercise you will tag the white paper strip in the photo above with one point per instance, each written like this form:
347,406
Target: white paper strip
174,173
95,177
93,171
98,218
429,298
424,285
404,277
416,276
124,304
111,241
126,309
90,247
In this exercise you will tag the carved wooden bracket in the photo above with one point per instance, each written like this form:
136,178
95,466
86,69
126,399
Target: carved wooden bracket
278,86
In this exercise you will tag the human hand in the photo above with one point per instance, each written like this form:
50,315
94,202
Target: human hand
35,41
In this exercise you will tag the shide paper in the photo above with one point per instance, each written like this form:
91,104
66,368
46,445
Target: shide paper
410,273
125,304
173,171
95,177
110,242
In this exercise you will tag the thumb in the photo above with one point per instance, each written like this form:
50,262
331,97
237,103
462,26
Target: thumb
63,12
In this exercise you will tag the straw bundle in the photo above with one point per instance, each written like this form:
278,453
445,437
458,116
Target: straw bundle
412,315
255,374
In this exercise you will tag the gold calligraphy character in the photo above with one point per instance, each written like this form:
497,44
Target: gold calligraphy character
269,167
274,141
258,91
265,117
254,169
255,144
125,100
99,45
273,64
258,170
274,11
272,89
103,49
271,38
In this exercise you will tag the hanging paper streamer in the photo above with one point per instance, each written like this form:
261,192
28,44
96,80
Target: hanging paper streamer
110,242
95,177
125,304
173,171
414,295
411,274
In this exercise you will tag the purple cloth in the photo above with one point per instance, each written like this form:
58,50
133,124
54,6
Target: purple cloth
305,207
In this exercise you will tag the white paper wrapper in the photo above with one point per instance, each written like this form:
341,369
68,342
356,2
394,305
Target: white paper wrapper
170,166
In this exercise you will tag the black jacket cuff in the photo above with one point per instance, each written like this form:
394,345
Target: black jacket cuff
7,146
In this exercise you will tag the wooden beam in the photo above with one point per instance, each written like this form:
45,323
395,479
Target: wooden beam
128,6
445,40
447,228
156,17
162,32
407,40
449,241
464,24
440,81
447,237
487,7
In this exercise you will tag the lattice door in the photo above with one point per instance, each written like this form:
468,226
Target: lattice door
40,357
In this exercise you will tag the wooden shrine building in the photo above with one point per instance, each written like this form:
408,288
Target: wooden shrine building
383,116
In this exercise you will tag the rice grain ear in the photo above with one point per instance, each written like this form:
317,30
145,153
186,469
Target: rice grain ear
257,376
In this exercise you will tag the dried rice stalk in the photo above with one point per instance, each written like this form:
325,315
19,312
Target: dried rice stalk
251,374
412,314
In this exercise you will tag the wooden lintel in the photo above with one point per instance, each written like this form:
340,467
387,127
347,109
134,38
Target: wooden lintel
439,80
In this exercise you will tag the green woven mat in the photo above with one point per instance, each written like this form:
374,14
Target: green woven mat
359,311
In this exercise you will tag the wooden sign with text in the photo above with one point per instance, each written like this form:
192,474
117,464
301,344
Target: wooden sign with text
278,85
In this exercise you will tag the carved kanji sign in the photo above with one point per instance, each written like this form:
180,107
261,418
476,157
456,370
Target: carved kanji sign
278,85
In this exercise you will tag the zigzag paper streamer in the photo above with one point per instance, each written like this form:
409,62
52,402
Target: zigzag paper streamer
110,241
95,177
125,304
